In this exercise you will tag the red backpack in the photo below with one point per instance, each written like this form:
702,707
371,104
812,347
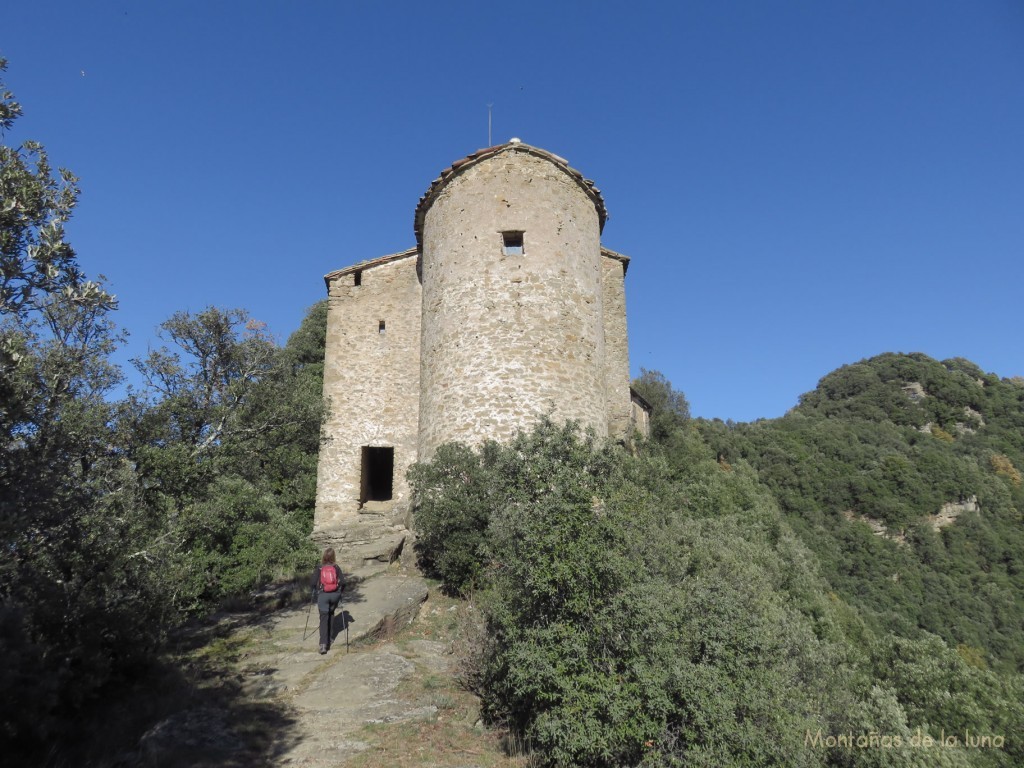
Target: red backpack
329,578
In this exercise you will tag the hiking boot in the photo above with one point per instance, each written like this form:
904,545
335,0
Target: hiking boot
323,649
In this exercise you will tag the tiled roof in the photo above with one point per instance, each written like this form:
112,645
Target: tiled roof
369,263
608,252
482,154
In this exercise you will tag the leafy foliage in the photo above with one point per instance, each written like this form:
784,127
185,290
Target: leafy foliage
669,408
626,607
226,438
36,262
453,509
935,684
119,518
893,439
75,600
660,610
457,492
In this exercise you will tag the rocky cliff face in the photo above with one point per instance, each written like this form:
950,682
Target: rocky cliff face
947,515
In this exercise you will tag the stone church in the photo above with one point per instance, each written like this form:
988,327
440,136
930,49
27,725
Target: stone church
506,309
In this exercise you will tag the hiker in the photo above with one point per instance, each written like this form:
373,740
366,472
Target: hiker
326,594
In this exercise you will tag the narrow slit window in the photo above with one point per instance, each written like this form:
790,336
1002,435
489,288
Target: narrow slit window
357,277
512,243
381,329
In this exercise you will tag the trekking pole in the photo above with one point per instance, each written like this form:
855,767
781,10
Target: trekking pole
344,620
304,629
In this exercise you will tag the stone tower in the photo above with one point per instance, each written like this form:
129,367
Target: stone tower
507,309
512,299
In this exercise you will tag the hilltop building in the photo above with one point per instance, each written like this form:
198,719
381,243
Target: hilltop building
506,309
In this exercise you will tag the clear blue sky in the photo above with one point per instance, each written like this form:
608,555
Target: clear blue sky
800,184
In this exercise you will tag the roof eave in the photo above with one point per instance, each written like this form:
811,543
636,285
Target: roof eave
370,264
480,155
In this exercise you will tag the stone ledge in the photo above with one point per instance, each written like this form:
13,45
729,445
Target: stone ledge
364,549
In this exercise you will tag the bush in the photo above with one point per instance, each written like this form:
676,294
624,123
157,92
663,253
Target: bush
456,494
452,509
658,610
635,613
236,540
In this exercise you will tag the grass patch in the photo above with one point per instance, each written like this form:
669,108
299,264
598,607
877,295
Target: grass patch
441,744
222,651
454,735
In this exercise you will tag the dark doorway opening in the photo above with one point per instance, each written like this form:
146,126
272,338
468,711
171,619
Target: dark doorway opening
378,469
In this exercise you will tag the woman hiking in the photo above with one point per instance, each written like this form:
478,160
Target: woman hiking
326,594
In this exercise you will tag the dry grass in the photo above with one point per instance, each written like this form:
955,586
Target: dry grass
454,736
438,744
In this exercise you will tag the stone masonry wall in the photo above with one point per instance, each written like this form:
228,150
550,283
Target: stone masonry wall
616,347
508,338
640,418
371,380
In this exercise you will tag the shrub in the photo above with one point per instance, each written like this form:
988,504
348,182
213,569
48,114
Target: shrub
235,540
635,612
453,500
456,494
1004,467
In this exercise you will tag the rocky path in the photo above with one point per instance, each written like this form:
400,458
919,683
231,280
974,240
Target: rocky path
332,697
386,695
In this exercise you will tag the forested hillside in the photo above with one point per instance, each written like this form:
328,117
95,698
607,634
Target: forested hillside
714,597
862,468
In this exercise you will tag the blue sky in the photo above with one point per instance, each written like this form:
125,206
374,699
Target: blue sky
800,185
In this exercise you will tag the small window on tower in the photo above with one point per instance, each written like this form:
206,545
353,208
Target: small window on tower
357,277
380,328
512,243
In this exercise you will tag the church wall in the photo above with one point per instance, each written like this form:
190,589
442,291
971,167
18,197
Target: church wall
616,348
640,416
509,338
371,381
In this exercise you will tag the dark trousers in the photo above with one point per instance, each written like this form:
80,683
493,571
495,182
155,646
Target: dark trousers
327,604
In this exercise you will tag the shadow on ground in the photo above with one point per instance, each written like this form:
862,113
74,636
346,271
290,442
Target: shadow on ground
191,705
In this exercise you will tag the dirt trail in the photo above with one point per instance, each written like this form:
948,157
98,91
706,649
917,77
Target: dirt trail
332,697
389,696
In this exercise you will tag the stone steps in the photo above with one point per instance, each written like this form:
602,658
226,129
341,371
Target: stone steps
364,546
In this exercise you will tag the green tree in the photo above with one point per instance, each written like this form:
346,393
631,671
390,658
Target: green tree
226,441
36,262
204,380
279,430
669,407
76,600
